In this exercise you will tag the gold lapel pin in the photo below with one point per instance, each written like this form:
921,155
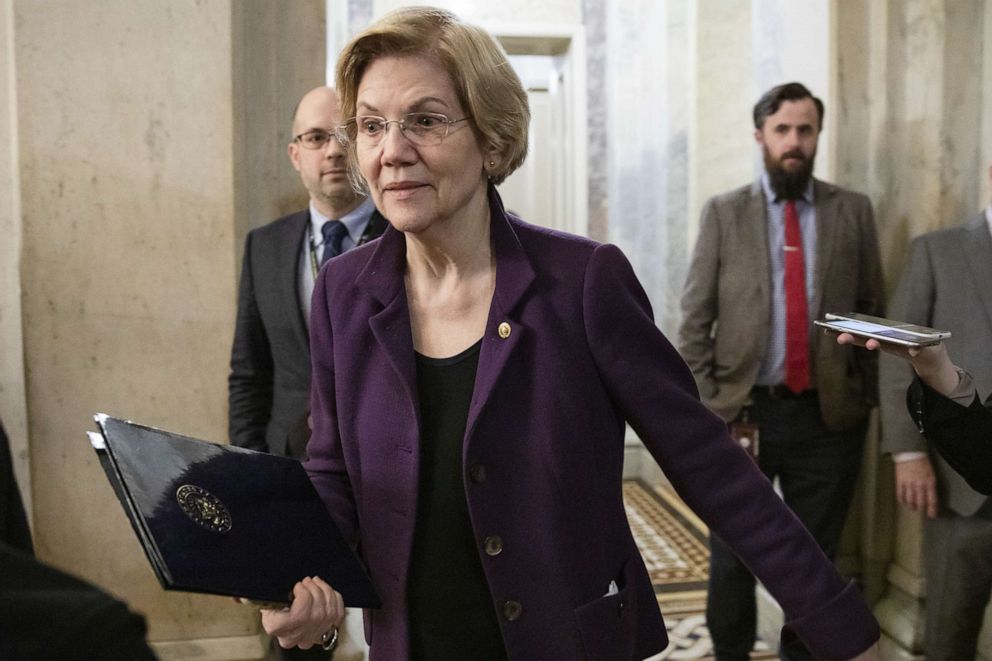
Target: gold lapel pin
504,330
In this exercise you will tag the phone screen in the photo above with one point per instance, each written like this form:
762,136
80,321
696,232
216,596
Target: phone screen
889,323
875,329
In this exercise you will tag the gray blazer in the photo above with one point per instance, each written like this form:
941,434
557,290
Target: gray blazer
947,284
269,383
726,305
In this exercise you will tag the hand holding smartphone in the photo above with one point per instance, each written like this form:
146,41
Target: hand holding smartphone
883,330
930,361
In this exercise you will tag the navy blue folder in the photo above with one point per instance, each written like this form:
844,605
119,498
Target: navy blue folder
224,520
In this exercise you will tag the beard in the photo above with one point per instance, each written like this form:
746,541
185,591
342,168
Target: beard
785,183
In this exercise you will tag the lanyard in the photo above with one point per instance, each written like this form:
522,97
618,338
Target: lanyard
314,266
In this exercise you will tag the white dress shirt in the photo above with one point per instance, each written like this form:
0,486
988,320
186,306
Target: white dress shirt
355,221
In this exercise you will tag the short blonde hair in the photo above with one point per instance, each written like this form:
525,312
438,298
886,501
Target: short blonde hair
487,86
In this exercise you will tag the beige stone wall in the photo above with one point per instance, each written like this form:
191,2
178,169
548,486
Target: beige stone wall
279,56
986,141
150,136
125,113
13,408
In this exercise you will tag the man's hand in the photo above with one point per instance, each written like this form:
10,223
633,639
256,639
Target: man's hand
916,486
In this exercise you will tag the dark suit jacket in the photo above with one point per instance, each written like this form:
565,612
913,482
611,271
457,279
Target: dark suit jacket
47,614
14,528
546,423
946,284
269,384
961,434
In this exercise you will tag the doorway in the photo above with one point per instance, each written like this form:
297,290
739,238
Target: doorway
551,187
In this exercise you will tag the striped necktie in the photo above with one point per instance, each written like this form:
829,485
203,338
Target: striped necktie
334,232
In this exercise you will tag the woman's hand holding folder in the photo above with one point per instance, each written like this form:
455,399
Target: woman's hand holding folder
311,619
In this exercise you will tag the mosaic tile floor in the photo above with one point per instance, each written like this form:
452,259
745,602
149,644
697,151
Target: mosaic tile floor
673,543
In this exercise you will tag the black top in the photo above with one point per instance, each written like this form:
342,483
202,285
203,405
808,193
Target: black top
452,615
961,434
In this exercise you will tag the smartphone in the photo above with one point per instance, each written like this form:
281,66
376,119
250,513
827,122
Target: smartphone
883,330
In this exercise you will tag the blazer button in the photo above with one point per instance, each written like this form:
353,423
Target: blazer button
494,545
504,330
477,473
512,610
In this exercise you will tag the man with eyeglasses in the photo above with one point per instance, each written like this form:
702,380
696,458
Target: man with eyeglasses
771,257
269,383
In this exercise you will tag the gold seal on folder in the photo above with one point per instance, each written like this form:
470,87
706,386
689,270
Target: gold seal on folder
204,508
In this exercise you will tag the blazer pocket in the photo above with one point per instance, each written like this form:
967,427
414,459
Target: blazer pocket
608,624
368,616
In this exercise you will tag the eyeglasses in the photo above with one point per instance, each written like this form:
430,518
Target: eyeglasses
317,138
425,129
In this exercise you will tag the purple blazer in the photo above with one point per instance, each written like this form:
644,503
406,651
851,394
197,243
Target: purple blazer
543,452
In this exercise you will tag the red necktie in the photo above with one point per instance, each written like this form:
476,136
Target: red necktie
796,317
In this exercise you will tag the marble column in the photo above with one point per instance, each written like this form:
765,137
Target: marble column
594,15
149,139
279,56
911,108
986,141
13,406
721,92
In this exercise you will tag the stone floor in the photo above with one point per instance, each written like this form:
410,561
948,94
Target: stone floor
672,541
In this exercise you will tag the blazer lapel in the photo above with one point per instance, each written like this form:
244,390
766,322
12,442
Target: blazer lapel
514,274
374,228
287,273
825,199
754,244
382,277
977,249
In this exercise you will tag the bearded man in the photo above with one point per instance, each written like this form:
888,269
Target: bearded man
771,257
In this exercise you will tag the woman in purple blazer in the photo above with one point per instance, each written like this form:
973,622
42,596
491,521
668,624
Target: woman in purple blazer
472,377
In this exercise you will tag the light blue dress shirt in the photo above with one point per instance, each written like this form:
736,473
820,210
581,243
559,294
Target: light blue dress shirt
356,221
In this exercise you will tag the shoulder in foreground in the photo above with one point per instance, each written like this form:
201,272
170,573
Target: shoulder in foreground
564,258
355,259
826,189
736,195
343,272
542,241
297,219
953,234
